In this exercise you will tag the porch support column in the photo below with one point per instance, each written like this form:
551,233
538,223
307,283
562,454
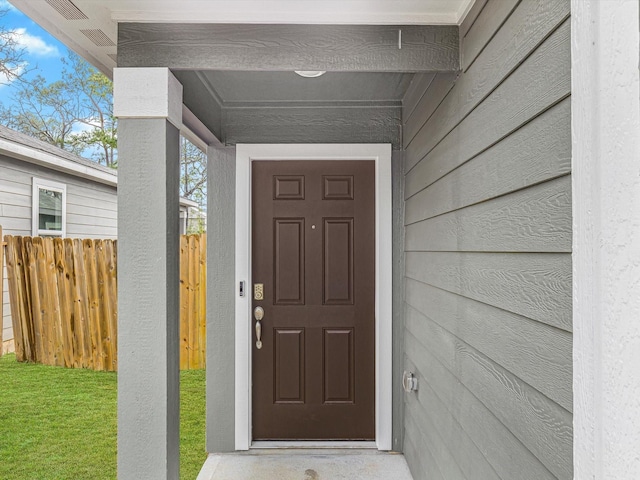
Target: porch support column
221,299
148,104
605,110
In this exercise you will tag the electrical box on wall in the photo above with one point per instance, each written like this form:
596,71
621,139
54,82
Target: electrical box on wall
409,382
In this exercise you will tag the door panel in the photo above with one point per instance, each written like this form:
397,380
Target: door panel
289,365
338,372
313,248
337,251
288,254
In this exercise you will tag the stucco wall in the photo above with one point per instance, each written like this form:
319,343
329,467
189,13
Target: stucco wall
606,188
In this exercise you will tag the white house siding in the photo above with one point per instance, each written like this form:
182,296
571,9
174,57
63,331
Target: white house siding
488,252
91,210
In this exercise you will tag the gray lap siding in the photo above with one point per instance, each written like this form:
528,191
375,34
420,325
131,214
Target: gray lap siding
487,165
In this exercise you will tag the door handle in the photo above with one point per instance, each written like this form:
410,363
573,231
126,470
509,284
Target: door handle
258,314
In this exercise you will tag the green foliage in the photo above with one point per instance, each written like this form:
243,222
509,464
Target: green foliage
58,423
197,224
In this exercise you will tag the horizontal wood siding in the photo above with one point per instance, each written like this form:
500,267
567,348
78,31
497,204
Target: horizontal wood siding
91,210
488,251
330,124
368,48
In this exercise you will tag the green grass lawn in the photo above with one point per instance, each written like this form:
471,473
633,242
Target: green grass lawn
58,423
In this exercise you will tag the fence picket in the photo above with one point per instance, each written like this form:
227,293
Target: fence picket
73,336
102,306
195,269
184,304
109,302
202,305
30,260
113,299
193,330
91,277
46,311
16,294
54,303
82,304
64,300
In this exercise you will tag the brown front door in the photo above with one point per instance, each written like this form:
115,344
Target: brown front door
314,253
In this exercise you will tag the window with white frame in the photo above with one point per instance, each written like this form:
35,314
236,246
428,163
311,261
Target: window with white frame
49,208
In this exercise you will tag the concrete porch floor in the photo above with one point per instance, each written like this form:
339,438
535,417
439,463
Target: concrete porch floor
306,464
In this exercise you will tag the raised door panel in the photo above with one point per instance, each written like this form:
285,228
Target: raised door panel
288,257
338,265
338,366
337,187
288,187
288,361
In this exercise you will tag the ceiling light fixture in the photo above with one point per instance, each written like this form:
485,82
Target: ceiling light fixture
310,73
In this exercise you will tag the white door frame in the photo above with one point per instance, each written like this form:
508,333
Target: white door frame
381,154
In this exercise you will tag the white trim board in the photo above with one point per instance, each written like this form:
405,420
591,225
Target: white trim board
45,184
381,154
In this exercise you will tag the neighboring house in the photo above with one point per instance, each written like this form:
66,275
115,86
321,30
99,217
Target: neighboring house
478,227
46,191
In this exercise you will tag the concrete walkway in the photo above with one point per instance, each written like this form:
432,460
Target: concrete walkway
306,464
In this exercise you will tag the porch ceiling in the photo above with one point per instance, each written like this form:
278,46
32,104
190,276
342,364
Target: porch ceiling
282,107
254,96
236,88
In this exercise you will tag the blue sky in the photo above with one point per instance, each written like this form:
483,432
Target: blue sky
42,51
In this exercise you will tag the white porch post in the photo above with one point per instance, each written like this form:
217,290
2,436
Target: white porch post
148,103
606,238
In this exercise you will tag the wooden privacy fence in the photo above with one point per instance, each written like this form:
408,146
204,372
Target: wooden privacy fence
193,301
63,295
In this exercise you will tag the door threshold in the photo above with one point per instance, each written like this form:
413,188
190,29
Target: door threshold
314,444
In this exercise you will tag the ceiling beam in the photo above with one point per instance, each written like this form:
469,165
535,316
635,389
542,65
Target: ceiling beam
201,99
341,48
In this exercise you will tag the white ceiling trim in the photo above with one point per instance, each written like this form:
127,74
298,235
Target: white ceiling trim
279,17
464,10
361,12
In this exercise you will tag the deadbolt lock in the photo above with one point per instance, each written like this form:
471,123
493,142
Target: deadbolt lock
258,291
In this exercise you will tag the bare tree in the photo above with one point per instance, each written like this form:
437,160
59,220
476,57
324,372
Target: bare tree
95,94
74,113
48,112
12,63
193,172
